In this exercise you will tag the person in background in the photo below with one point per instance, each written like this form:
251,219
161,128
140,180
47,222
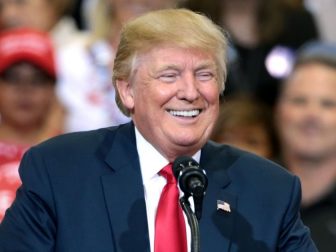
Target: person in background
51,16
86,90
306,124
246,123
113,189
27,90
264,36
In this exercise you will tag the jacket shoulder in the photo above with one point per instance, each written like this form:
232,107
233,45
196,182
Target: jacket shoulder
237,161
82,141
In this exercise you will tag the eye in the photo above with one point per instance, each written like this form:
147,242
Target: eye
328,103
297,101
168,77
204,75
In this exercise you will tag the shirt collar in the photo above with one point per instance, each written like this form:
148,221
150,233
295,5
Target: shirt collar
151,161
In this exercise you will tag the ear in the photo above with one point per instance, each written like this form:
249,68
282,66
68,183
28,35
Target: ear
126,93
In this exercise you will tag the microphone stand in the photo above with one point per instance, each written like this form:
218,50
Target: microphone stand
193,223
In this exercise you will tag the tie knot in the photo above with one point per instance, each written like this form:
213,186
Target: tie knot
167,172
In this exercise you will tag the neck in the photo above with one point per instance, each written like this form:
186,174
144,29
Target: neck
317,177
20,135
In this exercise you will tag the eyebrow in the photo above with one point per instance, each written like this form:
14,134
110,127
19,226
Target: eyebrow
203,65
167,67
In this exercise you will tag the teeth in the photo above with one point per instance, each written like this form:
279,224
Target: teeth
185,113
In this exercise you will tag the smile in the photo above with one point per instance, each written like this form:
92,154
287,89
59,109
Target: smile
185,113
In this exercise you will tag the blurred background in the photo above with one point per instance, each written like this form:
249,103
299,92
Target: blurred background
279,101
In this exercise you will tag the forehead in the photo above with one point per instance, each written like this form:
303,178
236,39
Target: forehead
22,2
19,2
312,78
173,56
24,66
29,6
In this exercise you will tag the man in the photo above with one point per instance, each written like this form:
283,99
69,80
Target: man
100,190
306,121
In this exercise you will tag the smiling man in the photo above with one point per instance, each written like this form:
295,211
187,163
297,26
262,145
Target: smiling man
113,190
173,98
306,124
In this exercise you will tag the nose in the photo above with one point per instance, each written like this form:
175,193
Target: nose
312,111
188,88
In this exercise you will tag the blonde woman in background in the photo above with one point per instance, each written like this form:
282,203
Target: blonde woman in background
85,89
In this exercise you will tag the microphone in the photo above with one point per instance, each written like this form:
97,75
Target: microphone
192,180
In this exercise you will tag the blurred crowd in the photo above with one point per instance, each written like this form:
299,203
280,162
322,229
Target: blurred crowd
279,102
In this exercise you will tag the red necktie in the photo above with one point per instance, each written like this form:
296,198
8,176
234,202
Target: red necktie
170,229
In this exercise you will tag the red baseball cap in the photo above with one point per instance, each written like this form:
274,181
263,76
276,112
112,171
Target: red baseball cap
25,44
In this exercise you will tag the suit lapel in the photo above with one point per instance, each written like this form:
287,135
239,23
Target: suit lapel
124,194
219,206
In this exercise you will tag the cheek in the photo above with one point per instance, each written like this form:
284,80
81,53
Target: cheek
163,96
158,94
6,96
45,97
210,94
287,114
330,120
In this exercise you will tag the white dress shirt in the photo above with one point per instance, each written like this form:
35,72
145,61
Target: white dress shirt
151,162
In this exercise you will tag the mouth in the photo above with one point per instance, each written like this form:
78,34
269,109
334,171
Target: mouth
185,113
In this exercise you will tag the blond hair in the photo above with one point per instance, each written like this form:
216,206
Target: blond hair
180,27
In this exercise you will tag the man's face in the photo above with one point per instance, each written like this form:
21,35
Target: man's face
174,98
39,14
306,113
26,95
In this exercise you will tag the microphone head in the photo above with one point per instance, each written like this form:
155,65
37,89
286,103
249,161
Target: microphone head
191,178
181,163
192,181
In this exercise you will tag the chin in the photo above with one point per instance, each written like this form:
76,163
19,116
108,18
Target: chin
191,142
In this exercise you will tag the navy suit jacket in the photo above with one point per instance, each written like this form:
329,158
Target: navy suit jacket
84,192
